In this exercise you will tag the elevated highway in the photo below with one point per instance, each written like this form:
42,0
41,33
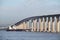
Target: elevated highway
45,23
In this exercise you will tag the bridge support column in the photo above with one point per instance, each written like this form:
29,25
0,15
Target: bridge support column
58,24
49,24
27,25
32,26
41,25
24,25
53,26
35,24
38,25
45,25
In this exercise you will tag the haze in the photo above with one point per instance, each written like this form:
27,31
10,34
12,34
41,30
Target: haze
12,11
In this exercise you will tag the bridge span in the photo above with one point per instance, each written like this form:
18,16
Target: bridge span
45,23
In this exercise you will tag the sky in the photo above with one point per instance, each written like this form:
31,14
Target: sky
12,11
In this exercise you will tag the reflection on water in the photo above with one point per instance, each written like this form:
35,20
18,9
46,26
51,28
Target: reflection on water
13,35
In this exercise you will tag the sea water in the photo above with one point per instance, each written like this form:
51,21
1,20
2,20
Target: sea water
18,35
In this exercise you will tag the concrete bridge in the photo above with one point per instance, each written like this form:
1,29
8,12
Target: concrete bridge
45,23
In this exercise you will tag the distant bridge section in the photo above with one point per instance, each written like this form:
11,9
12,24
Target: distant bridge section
3,28
45,23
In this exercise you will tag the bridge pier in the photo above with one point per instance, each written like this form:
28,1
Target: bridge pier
41,25
49,24
38,28
35,24
27,25
58,24
24,25
32,25
52,24
45,25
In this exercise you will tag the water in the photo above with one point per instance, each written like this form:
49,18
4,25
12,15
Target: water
13,35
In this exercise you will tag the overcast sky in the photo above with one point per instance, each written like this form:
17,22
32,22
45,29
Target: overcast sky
12,11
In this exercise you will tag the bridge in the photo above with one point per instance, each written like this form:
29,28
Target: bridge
45,23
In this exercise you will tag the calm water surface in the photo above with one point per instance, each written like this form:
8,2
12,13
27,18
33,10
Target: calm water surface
13,35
